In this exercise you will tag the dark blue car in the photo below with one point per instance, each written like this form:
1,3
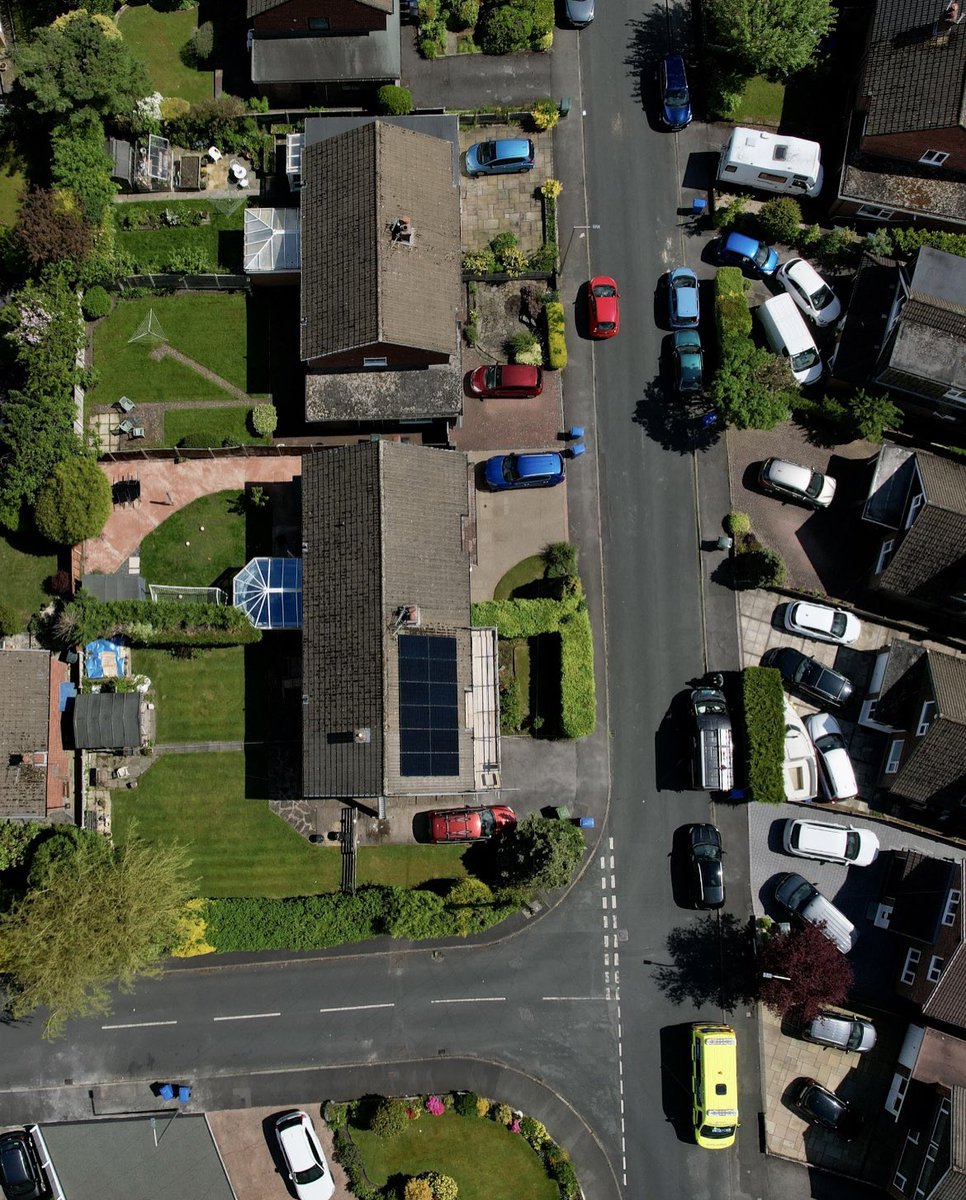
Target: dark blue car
524,471
741,251
675,97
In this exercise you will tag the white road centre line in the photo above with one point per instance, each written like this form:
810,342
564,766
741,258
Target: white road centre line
470,1000
357,1007
139,1025
247,1017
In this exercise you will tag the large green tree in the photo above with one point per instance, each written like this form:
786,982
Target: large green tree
539,853
92,920
74,502
770,37
79,62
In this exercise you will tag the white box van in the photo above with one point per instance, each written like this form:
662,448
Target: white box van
771,162
788,334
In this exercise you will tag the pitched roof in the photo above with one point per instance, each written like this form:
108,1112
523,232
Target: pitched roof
930,341
948,1003
901,683
24,730
382,527
257,7
107,721
360,287
913,75
930,561
934,774
918,886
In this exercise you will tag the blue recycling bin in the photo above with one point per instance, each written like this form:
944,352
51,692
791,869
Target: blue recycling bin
166,1091
586,822
698,206
184,1093
577,450
575,432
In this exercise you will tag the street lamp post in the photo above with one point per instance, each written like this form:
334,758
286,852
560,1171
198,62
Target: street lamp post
570,241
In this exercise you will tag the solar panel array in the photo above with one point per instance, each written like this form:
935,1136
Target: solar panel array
269,592
428,706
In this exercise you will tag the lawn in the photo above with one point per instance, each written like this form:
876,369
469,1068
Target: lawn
25,562
213,424
11,187
486,1160
239,847
760,103
199,699
156,39
209,327
213,550
215,246
525,571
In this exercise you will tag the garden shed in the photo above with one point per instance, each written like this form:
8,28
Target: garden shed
107,721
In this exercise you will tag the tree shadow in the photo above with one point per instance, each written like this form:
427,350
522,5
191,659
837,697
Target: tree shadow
673,424
650,38
700,951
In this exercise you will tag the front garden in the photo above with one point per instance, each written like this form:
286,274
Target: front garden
493,26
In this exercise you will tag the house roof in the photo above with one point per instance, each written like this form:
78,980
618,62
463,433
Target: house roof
904,187
947,1004
107,721
373,57
866,318
901,683
383,528
918,886
257,7
934,774
24,730
930,341
385,395
913,77
941,1057
360,286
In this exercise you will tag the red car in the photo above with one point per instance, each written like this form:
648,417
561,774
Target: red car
470,824
513,380
603,305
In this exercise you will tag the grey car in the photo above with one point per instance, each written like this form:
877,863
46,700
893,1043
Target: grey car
842,1030
579,13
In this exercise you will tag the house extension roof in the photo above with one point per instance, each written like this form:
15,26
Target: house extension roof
360,287
930,561
383,528
918,886
272,239
24,725
913,77
931,338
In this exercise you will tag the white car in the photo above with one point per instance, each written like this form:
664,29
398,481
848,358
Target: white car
834,765
830,843
822,622
790,481
809,291
800,771
307,1168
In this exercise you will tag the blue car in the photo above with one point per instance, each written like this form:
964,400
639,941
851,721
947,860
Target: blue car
523,471
683,307
508,156
675,97
741,251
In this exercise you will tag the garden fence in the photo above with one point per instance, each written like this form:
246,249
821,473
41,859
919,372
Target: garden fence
191,283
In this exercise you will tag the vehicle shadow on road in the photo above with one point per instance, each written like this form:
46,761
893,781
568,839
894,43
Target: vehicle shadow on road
675,1080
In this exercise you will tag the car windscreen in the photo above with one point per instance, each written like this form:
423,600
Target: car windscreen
805,359
487,823
822,298
829,741
839,624
852,844
760,256
815,485
829,683
676,97
825,1106
487,152
605,289
800,895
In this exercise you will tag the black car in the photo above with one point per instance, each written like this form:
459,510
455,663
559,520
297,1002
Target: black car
20,1175
816,1103
809,676
707,870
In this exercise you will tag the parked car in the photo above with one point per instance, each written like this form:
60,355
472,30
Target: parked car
793,482
830,843
20,1174
506,156
816,1103
579,13
809,291
803,900
843,1031
675,96
684,307
707,869
470,824
738,250
603,307
524,471
808,675
822,622
799,769
835,770
514,381
688,361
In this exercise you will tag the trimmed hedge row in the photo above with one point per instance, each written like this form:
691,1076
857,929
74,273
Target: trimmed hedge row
764,716
166,623
731,311
556,333
248,923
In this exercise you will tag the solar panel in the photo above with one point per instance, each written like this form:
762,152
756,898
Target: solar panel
269,592
428,706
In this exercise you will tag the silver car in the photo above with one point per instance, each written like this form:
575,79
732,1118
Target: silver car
579,13
844,1031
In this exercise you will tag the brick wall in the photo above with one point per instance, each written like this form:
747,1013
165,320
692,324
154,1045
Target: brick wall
909,147
344,16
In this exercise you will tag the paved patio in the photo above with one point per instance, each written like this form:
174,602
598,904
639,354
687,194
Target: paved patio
490,204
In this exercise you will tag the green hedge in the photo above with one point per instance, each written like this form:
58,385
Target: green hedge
556,336
315,922
764,717
519,618
732,315
167,623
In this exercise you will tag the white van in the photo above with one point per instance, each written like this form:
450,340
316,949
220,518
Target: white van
805,901
788,334
771,162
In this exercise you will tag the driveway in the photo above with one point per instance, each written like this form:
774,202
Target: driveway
490,204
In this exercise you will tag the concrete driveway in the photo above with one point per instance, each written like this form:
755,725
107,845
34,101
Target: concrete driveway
490,204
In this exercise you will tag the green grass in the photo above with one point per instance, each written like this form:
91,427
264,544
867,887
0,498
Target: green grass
210,328
221,241
238,847
156,39
199,699
486,1160
12,184
166,559
760,103
526,571
25,562
216,424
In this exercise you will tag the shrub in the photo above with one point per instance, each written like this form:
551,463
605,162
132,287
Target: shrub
58,584
545,113
432,38
444,1187
482,1106
566,1178
871,415
389,1118
524,347
725,89
336,1115
759,568
544,258
471,330
543,17
464,14
414,914
809,238
780,219
264,419
173,107
550,189
731,313
167,623
738,524
480,262
201,44
556,336
534,1131
465,1104
395,101
578,699
418,1189
839,247
10,621
502,1114
560,560
74,503
96,303
505,29
764,718
190,260
725,215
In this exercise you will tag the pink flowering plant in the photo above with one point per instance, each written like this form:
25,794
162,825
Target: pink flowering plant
435,1106
514,1126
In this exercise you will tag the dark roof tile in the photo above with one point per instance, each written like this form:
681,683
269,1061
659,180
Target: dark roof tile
24,730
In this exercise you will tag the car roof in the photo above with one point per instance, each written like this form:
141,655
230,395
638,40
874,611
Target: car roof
539,464
815,616
518,375
805,274
822,837
687,339
512,147
821,723
674,68
740,243
788,474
